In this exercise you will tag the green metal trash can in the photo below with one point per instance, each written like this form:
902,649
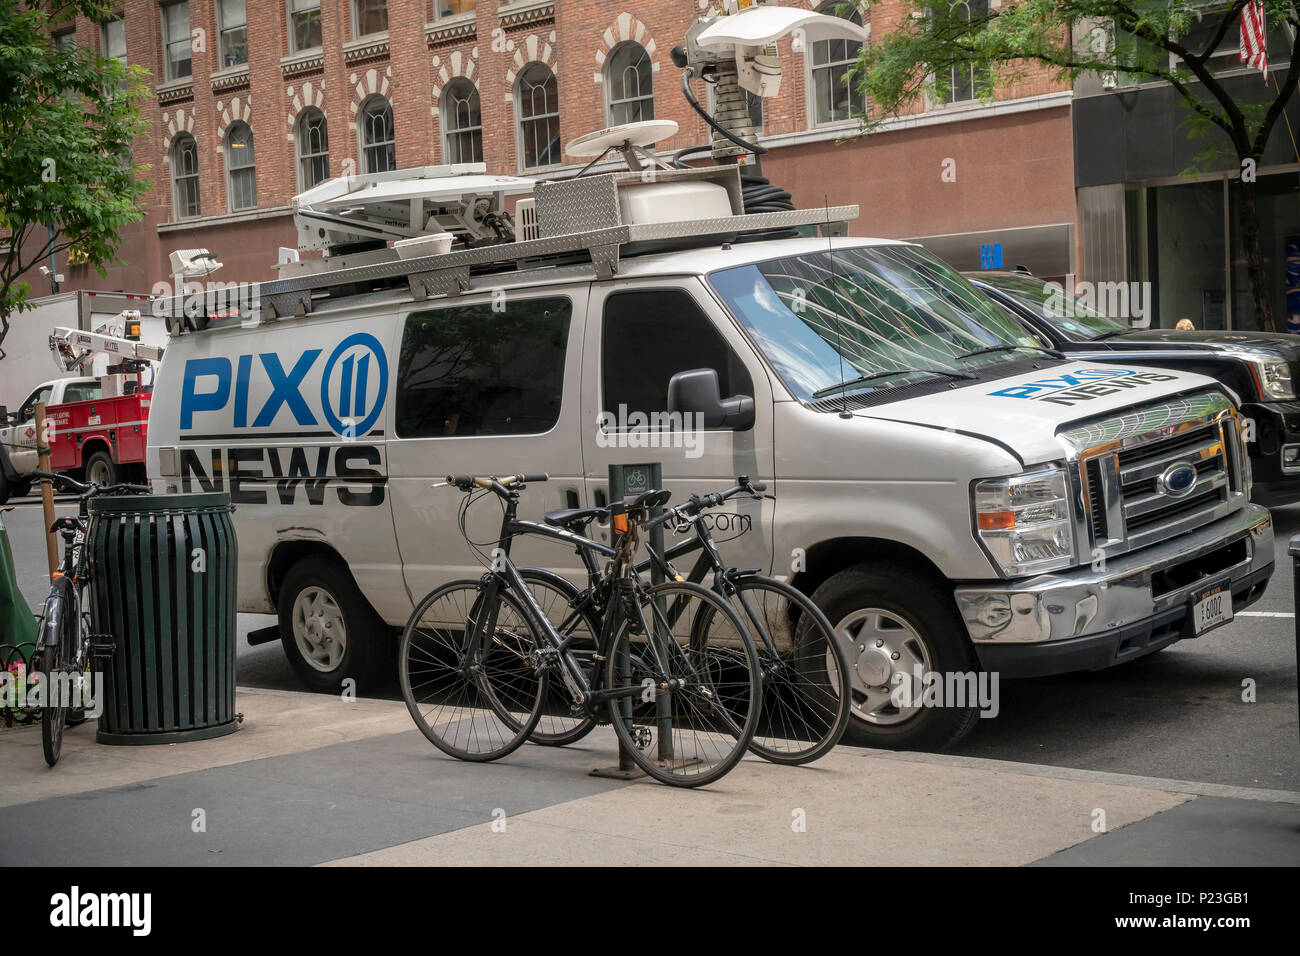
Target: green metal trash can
163,584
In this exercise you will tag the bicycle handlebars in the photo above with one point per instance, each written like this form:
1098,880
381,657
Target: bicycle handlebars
693,505
88,490
492,482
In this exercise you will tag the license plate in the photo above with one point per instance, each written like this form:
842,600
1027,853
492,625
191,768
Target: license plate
1211,607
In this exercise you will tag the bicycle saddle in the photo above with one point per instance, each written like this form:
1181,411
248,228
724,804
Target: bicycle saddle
648,499
573,519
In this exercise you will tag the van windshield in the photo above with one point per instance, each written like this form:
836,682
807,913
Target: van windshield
891,314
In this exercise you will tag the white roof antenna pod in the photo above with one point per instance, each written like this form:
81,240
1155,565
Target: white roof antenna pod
753,33
377,208
193,263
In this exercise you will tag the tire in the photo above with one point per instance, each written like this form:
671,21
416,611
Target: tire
715,713
6,489
457,694
807,688
913,618
101,469
557,595
21,489
57,641
328,630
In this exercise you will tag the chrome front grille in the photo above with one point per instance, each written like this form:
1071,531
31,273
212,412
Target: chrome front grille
1157,472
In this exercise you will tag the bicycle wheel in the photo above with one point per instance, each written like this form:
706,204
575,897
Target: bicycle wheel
807,686
462,665
698,699
557,596
57,632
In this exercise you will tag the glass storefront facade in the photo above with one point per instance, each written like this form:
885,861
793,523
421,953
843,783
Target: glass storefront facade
1184,239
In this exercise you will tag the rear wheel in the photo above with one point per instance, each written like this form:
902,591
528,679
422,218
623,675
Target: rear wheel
100,469
467,673
558,726
328,629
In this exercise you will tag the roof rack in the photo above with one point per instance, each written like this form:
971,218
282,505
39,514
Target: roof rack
594,219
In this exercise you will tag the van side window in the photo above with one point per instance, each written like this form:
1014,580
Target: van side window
82,392
650,335
469,370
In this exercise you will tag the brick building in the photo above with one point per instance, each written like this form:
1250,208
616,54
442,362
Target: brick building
254,100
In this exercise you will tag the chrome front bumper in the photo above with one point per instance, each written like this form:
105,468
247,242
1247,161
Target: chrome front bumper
1146,587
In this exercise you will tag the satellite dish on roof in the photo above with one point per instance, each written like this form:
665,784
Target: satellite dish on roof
643,133
628,139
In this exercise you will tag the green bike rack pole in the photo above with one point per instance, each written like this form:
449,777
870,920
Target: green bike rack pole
626,480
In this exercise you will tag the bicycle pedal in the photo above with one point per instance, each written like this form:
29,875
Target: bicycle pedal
102,646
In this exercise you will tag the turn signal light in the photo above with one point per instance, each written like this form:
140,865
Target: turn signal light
996,520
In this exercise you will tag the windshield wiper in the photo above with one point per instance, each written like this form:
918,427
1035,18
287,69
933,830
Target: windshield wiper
1011,348
863,379
1109,335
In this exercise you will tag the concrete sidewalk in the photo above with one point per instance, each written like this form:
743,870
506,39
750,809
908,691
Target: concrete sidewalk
311,779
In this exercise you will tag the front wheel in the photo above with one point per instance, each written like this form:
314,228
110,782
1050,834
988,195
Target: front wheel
807,689
916,681
690,682
57,643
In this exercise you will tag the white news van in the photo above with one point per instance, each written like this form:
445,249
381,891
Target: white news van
955,497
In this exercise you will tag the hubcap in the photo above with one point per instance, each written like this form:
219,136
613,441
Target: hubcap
318,629
885,654
99,473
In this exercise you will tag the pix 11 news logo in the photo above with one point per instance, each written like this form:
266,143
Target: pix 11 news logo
77,909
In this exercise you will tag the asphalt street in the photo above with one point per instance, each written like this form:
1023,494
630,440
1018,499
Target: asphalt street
1178,714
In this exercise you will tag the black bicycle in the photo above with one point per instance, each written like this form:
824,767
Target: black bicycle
478,658
807,685
65,644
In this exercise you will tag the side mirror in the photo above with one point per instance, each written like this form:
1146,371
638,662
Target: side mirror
696,392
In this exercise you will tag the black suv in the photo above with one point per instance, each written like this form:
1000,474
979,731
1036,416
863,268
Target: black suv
1260,367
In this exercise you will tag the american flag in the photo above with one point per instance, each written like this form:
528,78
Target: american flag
1254,37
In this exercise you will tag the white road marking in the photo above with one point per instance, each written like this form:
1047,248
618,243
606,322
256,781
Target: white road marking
1266,614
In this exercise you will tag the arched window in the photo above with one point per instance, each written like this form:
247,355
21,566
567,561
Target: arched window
629,85
537,102
830,61
462,123
375,123
185,177
313,149
241,175
966,81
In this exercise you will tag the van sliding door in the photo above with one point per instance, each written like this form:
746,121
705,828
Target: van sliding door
487,384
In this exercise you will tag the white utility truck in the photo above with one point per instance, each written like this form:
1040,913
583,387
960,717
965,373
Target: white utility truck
960,501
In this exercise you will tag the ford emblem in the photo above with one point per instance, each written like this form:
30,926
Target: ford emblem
1178,480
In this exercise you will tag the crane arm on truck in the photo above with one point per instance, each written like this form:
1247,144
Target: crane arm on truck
72,348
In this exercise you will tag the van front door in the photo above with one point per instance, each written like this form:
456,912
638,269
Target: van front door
486,385
642,333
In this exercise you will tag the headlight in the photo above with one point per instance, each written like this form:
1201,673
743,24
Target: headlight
1274,378
1024,521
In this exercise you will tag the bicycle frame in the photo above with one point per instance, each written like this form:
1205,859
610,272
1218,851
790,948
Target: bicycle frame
585,693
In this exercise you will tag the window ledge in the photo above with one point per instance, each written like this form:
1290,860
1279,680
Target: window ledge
373,46
453,29
248,215
175,90
232,77
521,13
305,61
